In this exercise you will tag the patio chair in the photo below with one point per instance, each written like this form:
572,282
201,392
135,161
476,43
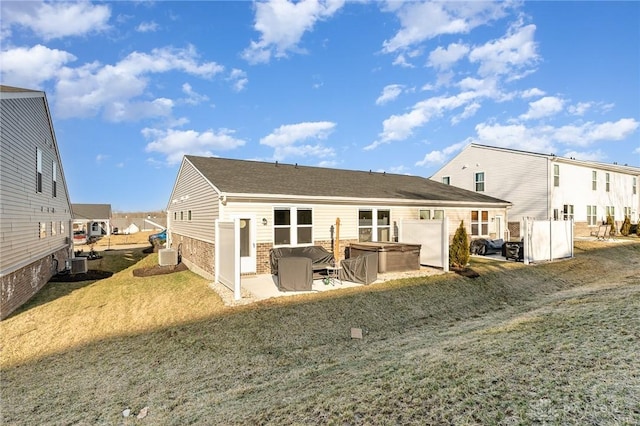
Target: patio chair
603,233
295,274
361,269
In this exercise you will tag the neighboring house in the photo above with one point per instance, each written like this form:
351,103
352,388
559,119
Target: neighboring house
35,218
289,205
93,219
544,186
154,221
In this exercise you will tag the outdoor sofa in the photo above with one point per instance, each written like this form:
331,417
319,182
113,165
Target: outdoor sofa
320,257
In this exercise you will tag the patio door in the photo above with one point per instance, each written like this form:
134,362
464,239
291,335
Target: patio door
247,247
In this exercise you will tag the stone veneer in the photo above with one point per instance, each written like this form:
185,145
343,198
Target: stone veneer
21,285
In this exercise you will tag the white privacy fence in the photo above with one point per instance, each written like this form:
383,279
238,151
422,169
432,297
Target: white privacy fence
546,240
433,237
227,253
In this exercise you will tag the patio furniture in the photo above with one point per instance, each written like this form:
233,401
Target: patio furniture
483,246
295,274
603,232
362,269
333,275
319,256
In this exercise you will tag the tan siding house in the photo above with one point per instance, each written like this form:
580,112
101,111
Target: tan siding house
290,205
35,218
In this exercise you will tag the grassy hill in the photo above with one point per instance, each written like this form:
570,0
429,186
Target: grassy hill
554,343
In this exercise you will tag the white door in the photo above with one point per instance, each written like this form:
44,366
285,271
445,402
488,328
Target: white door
247,244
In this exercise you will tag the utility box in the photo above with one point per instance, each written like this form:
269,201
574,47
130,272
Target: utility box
168,257
79,265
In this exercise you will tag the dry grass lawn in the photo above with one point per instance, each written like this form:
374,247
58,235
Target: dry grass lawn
554,343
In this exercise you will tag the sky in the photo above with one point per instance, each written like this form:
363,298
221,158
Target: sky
390,86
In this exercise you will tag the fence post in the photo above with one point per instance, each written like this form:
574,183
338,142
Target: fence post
445,244
526,242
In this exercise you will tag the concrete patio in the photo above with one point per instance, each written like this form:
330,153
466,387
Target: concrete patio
262,287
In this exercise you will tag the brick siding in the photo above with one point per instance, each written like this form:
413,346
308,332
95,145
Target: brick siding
21,285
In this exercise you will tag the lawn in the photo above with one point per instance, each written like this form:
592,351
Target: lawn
554,343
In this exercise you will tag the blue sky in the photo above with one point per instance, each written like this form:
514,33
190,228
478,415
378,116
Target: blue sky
399,87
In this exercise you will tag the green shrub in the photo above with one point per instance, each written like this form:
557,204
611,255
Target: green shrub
625,229
613,225
459,250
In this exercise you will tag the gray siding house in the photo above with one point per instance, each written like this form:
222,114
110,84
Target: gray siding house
546,186
35,218
281,205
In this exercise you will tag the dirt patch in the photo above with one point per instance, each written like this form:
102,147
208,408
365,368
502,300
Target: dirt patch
466,272
90,275
159,270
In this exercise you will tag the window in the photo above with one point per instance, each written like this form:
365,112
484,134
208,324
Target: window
175,215
592,215
292,226
189,215
438,214
567,212
479,222
446,180
61,228
368,229
607,182
627,212
594,180
611,211
556,175
480,182
425,214
556,214
43,229
38,170
181,215
55,180
635,186
54,229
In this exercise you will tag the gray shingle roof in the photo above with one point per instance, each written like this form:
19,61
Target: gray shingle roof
254,177
91,211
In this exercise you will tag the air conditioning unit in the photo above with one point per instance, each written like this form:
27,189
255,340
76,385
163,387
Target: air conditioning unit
167,257
79,265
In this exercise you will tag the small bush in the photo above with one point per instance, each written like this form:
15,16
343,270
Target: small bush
459,250
625,229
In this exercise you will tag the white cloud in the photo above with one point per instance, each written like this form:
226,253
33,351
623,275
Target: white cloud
469,111
549,105
437,157
422,21
444,58
401,61
532,93
51,20
588,133
580,108
193,98
147,27
389,93
101,157
174,144
114,90
30,67
286,138
513,53
400,127
282,24
238,79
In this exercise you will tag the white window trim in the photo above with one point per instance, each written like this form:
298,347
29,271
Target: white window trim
483,181
374,223
293,226
479,222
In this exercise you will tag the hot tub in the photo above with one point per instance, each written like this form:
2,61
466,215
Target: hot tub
392,257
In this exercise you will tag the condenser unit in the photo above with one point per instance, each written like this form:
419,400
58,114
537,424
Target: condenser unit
167,257
79,265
